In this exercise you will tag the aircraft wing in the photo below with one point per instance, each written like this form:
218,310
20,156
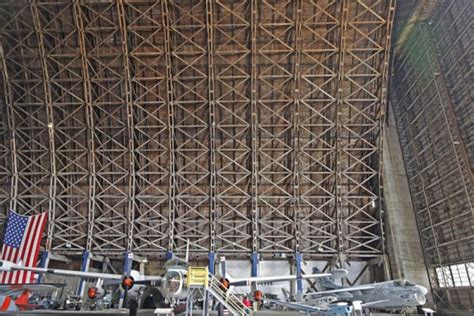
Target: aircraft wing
10,266
297,306
12,289
270,279
281,278
344,289
70,273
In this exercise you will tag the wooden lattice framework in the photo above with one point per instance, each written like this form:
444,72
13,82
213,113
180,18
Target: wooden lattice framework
244,126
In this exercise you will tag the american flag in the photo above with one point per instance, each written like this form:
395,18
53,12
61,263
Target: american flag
21,243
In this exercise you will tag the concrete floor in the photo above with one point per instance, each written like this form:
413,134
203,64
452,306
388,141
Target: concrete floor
113,312
125,312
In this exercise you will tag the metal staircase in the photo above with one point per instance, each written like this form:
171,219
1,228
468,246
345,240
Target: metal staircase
226,298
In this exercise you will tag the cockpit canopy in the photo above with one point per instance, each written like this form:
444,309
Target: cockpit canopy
403,283
173,283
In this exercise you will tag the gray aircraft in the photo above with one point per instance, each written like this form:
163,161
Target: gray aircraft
388,295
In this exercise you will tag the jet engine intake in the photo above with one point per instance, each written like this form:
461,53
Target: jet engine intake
95,293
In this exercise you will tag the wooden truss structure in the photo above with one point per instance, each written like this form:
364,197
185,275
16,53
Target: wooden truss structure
434,112
244,126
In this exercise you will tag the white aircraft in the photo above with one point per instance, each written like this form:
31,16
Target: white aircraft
172,285
387,295
134,283
333,298
334,307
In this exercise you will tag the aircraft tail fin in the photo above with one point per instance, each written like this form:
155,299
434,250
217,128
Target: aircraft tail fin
326,283
7,304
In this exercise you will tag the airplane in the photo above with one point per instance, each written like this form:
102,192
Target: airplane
133,283
228,281
16,297
172,285
387,295
330,308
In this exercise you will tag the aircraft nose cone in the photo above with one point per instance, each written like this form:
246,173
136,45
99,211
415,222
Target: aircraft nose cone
422,290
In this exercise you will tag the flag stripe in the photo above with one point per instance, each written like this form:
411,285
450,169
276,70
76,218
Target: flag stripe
22,243
6,275
25,245
32,247
38,240
13,256
19,274
4,250
36,244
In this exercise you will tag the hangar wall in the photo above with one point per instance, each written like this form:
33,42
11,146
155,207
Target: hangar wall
433,104
244,126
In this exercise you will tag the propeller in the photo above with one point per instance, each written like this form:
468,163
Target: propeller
127,281
127,284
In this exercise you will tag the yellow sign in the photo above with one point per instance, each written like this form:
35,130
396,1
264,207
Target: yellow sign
197,276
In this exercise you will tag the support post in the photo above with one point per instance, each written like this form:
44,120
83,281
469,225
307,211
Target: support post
79,24
254,259
170,125
189,303
12,128
207,296
48,102
253,286
212,262
338,127
86,259
43,264
253,126
212,129
130,124
127,262
222,264
299,281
